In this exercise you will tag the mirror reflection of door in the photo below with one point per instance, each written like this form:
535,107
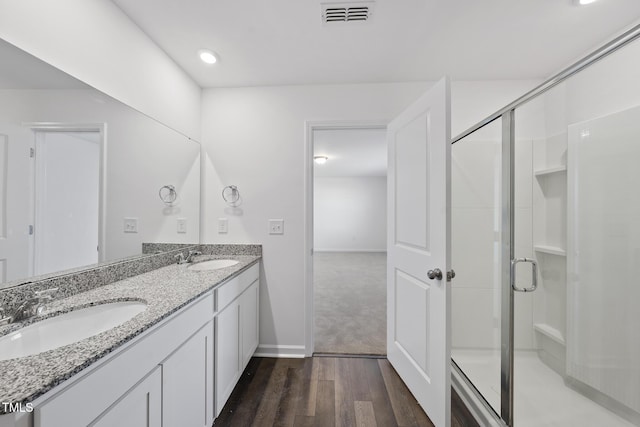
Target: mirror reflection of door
66,195
16,204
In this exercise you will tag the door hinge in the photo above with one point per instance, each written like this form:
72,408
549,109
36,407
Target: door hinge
32,152
30,230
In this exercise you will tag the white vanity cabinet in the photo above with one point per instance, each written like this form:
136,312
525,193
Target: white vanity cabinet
108,387
249,322
228,356
179,373
236,331
187,382
140,407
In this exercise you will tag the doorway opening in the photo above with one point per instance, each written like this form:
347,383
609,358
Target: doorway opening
67,194
349,188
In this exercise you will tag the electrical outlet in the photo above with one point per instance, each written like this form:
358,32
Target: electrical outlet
223,225
276,226
182,225
131,225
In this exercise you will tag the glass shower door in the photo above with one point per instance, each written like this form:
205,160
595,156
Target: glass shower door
577,215
546,246
475,246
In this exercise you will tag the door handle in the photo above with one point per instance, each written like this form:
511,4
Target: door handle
436,273
451,275
534,274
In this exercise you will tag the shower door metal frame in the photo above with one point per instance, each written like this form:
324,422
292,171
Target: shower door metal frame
507,251
507,115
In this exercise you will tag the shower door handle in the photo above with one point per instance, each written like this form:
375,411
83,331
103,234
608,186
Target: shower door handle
534,275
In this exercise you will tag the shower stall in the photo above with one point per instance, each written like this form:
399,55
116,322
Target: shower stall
546,247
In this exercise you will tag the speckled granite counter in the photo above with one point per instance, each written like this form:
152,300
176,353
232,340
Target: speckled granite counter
164,290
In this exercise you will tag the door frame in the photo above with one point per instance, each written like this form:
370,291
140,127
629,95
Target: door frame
310,127
101,128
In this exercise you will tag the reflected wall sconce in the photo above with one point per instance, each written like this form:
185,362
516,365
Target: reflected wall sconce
168,194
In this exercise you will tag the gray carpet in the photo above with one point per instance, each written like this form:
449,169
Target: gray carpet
350,302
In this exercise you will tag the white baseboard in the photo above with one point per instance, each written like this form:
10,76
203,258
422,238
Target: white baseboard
281,351
351,250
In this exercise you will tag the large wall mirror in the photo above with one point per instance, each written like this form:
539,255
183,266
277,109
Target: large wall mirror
84,178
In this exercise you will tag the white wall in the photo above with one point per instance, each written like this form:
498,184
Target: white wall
94,41
142,156
255,138
350,214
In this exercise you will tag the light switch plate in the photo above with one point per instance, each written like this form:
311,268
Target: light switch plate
182,225
276,226
131,225
223,225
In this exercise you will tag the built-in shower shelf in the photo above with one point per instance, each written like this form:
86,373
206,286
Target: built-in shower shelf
549,171
550,332
553,250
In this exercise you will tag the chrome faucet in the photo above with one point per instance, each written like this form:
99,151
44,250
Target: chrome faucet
31,307
182,260
4,320
191,255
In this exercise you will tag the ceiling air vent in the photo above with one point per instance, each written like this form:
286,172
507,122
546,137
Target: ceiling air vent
346,12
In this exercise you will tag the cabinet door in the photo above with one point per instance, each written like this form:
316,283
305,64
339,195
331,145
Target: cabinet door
249,321
187,382
140,407
227,352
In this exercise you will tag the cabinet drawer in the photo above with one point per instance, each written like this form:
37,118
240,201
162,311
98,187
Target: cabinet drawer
234,287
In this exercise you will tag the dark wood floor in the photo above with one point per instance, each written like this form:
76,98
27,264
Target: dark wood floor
327,391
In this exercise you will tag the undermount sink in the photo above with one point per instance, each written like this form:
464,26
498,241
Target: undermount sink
213,264
67,328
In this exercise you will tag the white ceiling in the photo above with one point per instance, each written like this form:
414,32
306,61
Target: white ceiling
351,152
20,70
284,41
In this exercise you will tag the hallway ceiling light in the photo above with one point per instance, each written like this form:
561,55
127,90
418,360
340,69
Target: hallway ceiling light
583,2
321,160
207,56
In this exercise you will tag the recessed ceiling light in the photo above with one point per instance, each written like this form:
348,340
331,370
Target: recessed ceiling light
321,160
583,2
207,56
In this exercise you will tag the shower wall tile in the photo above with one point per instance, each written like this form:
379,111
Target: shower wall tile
523,184
473,249
523,321
475,318
475,174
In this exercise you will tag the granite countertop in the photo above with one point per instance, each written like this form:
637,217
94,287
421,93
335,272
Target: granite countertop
164,290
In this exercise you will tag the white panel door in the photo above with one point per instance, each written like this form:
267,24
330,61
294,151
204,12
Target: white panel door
418,308
16,202
67,201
